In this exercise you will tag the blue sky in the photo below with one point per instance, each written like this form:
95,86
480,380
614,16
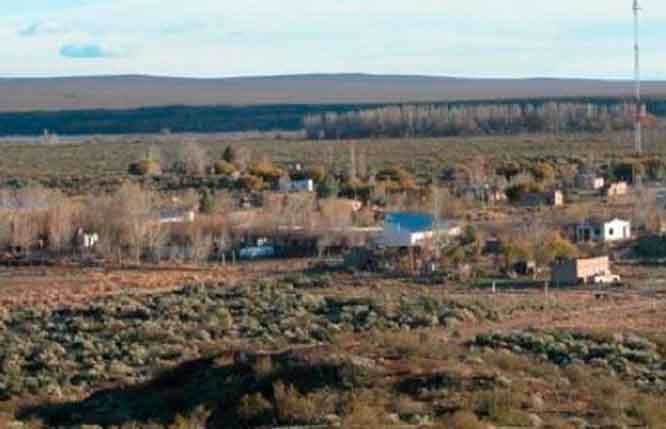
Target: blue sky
215,38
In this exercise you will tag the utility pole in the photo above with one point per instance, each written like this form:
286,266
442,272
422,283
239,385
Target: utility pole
638,140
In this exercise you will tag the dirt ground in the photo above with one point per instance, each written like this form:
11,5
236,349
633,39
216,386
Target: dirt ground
54,286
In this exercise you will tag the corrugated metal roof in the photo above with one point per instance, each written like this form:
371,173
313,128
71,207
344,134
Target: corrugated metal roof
414,222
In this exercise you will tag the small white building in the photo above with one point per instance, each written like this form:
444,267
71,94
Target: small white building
603,231
415,230
168,216
616,189
85,239
288,185
590,182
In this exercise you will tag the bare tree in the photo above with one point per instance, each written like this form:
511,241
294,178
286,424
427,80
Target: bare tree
25,232
201,244
60,224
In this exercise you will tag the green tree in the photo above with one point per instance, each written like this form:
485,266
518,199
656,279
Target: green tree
207,202
229,155
515,252
554,247
328,188
515,193
469,235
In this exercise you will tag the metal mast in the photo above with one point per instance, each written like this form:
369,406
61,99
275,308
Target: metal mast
638,141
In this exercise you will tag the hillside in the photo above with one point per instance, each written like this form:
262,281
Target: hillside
131,92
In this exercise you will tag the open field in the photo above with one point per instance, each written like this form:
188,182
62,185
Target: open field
100,159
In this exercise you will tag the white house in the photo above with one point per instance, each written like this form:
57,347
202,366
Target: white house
288,185
590,182
86,240
415,229
178,215
603,230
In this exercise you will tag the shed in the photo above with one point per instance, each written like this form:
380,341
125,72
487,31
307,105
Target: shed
576,271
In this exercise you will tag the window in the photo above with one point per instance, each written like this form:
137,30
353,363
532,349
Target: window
611,232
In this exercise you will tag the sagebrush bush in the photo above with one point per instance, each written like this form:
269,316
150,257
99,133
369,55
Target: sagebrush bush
254,408
464,420
145,167
292,407
224,168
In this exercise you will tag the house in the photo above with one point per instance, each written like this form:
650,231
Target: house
85,239
485,193
548,198
177,215
576,271
604,231
616,189
288,185
405,229
590,182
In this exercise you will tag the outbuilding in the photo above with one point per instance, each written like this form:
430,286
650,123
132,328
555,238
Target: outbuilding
579,271
603,231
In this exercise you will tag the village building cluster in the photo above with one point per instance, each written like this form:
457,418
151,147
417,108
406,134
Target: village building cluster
382,220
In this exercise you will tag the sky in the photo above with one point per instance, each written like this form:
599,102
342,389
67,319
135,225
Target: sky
221,38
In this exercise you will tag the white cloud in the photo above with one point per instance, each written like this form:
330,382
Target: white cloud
40,29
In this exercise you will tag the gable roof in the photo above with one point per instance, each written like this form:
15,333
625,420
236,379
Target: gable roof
599,221
414,222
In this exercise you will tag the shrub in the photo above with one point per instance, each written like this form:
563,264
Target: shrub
361,414
263,366
255,408
266,171
251,183
512,417
207,202
229,155
292,407
413,344
609,397
464,420
317,174
649,411
397,177
224,168
145,167
406,406
515,193
543,172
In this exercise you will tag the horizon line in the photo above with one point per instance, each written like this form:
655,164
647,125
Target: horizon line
328,75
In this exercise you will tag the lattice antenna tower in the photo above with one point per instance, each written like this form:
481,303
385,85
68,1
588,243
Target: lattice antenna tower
638,138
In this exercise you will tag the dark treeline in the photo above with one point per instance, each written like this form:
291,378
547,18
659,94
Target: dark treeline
177,119
335,121
470,119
